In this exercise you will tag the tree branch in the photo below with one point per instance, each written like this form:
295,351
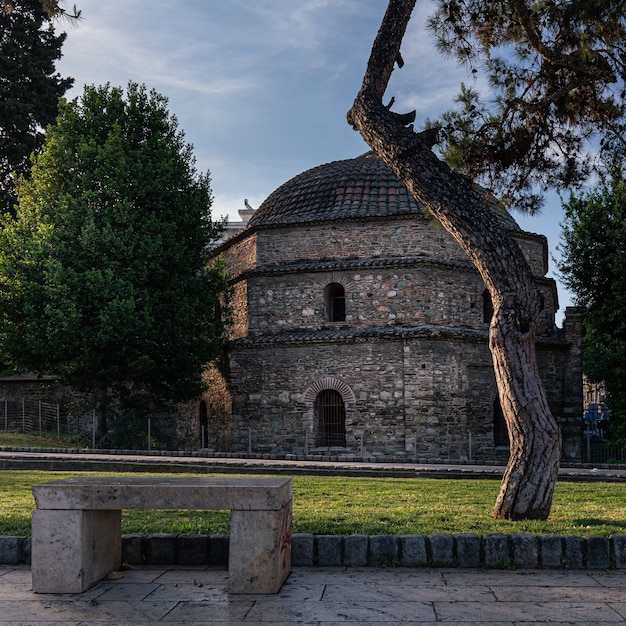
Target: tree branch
452,198
385,53
386,48
465,213
573,61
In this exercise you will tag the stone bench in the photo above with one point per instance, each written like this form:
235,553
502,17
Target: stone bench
76,528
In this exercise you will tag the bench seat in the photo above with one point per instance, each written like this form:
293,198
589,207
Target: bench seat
76,528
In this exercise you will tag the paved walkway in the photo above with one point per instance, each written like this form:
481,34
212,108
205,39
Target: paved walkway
324,597
327,597
180,462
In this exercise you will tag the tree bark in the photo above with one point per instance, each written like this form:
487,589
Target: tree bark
468,214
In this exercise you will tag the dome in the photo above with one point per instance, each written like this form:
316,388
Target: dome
350,189
359,188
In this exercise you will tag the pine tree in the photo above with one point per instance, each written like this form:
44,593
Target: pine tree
556,73
30,88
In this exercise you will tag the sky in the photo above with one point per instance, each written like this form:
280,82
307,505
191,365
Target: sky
261,87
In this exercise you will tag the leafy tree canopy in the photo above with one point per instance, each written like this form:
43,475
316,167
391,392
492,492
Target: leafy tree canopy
103,276
29,87
593,266
555,97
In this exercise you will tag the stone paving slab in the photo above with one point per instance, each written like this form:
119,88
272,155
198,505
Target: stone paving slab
557,594
530,578
327,597
523,612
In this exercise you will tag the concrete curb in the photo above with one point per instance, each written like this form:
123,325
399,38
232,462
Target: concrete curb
314,458
466,550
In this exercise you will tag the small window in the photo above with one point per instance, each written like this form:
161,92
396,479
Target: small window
335,302
204,425
487,307
330,411
500,431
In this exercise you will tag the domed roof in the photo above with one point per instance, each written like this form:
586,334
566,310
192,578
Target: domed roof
363,187
349,189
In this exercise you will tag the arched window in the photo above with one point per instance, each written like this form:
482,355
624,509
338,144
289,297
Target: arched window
487,307
500,431
330,412
203,414
335,302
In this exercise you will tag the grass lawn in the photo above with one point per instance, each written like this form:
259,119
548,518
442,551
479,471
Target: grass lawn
339,505
20,440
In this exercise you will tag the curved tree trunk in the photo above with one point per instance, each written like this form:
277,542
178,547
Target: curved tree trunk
466,213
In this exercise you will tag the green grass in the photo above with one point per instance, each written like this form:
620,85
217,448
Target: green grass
340,505
19,440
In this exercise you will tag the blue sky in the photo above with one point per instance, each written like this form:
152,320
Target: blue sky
261,87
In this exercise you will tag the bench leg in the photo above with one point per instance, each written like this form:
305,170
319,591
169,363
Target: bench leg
259,557
71,550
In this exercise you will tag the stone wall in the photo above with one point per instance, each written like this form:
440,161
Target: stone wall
535,250
398,271
34,388
572,385
239,253
409,294
239,308
410,360
64,409
269,387
421,398
219,413
394,238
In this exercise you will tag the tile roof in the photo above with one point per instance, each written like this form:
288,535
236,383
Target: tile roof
353,188
315,265
359,188
344,333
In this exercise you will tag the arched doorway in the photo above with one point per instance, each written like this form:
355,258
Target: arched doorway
330,412
204,425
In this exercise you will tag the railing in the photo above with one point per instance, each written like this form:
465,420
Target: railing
603,452
31,416
52,421
37,417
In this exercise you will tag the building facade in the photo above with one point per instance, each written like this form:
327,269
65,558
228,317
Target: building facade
361,331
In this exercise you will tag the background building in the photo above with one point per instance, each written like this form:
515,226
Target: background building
361,331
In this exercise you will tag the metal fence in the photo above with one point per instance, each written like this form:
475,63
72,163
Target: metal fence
603,452
36,417
54,421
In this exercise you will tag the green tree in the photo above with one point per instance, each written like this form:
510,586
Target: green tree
593,266
556,80
29,87
103,270
556,73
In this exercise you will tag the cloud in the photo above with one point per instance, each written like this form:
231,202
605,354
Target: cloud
104,47
304,25
260,87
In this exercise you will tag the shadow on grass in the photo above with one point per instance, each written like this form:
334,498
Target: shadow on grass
596,522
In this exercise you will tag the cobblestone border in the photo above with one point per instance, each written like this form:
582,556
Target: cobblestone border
467,550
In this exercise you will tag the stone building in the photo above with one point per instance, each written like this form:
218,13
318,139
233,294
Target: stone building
361,331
